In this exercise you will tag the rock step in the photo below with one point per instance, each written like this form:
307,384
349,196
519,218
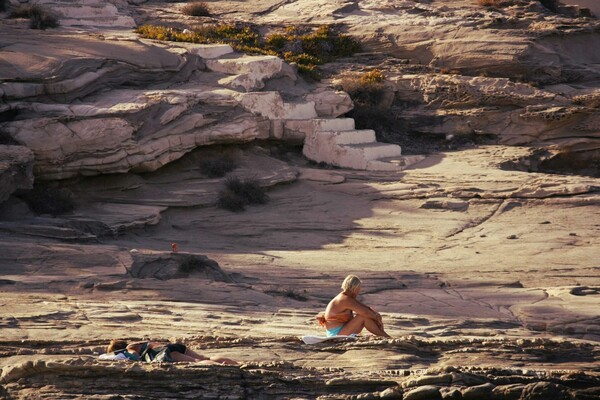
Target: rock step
380,165
393,163
348,137
297,129
355,149
333,124
244,64
374,151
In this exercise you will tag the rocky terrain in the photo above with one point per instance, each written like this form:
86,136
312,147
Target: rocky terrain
475,227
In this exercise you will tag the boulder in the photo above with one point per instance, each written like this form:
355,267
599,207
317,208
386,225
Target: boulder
444,379
427,392
163,266
330,103
249,73
545,391
508,392
478,392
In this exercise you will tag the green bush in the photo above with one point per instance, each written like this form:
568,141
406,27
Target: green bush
196,9
239,193
49,200
217,167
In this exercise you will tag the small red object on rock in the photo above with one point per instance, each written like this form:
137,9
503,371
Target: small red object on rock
174,247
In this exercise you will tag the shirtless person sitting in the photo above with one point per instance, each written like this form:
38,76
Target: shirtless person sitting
345,315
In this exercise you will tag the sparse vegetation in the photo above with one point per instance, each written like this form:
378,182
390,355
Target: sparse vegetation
366,90
289,293
44,199
306,48
196,9
38,17
217,167
238,193
371,111
551,5
494,3
22,11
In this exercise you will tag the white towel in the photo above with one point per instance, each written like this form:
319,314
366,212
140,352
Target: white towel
112,357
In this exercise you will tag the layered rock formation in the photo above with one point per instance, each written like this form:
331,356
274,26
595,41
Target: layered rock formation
545,77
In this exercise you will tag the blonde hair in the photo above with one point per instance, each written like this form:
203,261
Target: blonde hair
116,344
351,285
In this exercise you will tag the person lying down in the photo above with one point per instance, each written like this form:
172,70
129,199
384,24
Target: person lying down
160,352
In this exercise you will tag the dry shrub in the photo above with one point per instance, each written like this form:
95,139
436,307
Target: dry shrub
196,9
44,199
22,11
495,3
239,193
551,5
217,167
490,3
38,17
290,293
366,90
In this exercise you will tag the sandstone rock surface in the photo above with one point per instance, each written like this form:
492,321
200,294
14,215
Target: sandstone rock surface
482,264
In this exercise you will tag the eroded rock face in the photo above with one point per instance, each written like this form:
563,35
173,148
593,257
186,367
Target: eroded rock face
120,130
543,49
112,145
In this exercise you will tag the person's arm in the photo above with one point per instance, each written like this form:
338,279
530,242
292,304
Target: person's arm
360,309
132,349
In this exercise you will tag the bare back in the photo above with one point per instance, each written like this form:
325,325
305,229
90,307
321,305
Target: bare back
337,311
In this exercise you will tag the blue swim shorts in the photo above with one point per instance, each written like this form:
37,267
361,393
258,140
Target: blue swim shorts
334,331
